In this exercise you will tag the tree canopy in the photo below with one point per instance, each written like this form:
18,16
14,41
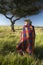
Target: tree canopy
21,8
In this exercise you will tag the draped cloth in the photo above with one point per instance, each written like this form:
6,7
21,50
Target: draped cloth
27,39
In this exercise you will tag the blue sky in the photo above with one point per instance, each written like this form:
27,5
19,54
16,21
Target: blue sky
37,20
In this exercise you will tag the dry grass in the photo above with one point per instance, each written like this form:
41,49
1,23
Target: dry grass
8,42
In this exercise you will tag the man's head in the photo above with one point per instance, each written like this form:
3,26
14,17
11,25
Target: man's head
28,22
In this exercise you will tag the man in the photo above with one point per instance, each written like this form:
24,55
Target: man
27,38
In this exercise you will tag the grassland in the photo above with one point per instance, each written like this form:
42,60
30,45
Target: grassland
8,42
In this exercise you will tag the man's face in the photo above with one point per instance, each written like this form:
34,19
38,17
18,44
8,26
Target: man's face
26,23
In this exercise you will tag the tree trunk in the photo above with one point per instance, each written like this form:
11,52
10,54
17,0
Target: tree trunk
12,27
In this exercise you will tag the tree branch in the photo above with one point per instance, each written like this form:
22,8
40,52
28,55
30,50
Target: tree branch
18,18
9,18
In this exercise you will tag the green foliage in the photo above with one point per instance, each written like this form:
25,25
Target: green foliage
8,42
21,7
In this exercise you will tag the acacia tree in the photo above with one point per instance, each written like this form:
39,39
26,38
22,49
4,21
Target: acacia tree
20,9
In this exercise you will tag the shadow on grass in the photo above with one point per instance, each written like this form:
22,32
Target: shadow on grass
11,47
19,29
39,52
8,47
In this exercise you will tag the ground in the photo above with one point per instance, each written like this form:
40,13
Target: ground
8,42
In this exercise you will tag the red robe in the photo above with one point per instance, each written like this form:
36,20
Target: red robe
27,39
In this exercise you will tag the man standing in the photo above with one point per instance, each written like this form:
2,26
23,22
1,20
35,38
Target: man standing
27,38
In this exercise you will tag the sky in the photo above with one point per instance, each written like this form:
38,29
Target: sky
37,20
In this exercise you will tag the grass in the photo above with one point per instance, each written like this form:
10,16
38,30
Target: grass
8,42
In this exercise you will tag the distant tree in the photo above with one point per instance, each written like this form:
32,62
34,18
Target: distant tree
20,9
